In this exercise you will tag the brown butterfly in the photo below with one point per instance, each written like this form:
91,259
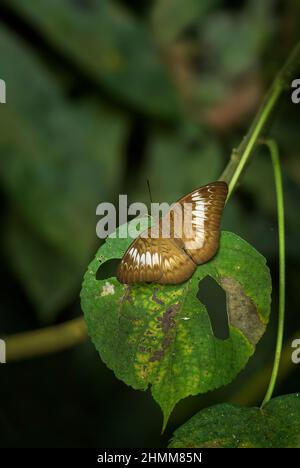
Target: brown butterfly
194,239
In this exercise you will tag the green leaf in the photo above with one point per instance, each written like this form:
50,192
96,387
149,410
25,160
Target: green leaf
58,160
171,17
109,44
232,426
161,335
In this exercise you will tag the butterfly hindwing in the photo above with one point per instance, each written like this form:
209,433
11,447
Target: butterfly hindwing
155,260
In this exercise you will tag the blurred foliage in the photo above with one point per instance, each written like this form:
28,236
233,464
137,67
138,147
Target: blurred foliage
101,96
58,159
195,156
108,44
171,17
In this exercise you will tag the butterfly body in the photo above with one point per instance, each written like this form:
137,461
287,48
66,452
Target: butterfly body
187,236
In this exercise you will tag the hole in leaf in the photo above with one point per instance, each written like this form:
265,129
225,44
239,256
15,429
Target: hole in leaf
108,269
214,299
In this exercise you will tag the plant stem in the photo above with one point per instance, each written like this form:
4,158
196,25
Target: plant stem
253,136
273,149
46,340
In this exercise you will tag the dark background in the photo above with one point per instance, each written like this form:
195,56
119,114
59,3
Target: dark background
101,96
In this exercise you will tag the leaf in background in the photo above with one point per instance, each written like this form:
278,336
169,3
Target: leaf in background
160,335
235,41
50,277
171,17
58,161
233,426
230,45
109,44
179,160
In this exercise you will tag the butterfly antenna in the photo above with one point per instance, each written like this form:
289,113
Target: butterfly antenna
149,190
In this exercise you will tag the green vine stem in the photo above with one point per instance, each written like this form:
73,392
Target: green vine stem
249,142
45,340
273,149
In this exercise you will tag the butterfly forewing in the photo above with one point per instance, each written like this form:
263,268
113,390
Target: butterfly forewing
186,236
201,221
